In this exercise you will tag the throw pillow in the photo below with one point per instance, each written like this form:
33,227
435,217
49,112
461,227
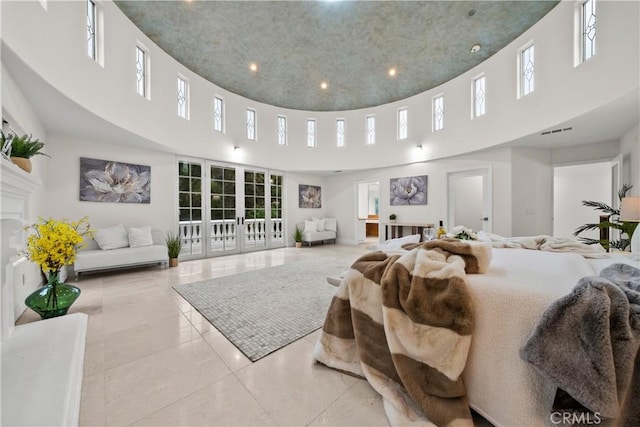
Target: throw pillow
321,226
112,237
331,224
310,226
140,236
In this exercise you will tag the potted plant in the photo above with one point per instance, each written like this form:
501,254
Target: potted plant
611,220
297,236
53,245
392,218
174,246
22,149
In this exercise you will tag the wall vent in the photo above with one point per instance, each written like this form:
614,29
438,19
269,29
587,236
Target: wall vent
548,132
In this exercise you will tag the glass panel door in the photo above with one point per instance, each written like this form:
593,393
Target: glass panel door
223,219
263,217
255,215
276,226
227,209
190,225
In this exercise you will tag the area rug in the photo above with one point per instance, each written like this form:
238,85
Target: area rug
264,310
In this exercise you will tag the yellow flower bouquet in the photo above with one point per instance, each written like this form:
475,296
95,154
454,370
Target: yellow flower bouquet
52,245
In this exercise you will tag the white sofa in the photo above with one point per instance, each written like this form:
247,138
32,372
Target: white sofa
319,230
92,258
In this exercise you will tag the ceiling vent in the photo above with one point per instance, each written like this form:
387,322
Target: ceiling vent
549,132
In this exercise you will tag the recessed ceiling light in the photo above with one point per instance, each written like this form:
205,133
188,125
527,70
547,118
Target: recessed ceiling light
475,48
253,67
392,72
324,85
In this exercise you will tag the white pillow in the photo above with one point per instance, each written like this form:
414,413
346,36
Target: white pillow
331,224
321,225
310,226
140,236
396,243
112,238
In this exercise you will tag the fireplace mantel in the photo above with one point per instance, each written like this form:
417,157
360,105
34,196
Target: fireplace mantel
17,186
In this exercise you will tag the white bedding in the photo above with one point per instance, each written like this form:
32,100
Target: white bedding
510,299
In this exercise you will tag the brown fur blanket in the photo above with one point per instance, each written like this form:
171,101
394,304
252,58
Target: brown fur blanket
587,343
404,322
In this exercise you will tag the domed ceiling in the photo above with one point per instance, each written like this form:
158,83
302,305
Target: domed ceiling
350,46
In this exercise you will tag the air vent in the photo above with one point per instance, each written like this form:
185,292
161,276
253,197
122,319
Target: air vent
547,132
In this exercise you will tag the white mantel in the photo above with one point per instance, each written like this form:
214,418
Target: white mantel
41,362
15,188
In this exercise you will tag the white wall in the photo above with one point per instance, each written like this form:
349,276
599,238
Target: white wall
585,153
573,184
531,181
53,44
62,180
23,120
343,187
630,149
296,214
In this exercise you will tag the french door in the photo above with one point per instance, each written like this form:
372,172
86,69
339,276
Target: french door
225,209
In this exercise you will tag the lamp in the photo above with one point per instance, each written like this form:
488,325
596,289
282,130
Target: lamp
630,212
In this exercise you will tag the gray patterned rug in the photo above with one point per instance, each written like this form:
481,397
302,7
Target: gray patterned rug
264,310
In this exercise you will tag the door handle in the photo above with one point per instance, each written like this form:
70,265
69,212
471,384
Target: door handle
237,220
486,218
242,220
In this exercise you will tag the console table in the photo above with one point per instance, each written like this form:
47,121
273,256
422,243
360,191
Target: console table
394,230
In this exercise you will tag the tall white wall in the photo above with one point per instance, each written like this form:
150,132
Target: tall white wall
53,44
531,181
63,189
630,149
343,190
572,185
605,150
23,120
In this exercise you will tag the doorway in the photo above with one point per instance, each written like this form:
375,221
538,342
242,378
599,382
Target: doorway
469,199
368,220
598,181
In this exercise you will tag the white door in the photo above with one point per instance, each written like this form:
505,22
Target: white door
469,199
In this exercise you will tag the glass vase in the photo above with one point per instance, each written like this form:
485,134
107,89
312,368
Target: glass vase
54,298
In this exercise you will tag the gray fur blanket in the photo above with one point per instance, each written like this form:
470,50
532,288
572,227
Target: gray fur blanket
404,322
587,344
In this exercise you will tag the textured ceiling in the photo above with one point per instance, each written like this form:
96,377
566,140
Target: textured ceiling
350,45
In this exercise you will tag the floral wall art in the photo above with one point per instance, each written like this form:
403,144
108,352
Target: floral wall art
115,182
410,190
309,196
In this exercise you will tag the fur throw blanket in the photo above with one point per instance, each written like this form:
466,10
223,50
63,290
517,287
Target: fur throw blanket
404,322
587,344
545,243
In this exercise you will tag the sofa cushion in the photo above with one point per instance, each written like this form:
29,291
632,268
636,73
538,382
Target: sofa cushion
96,259
112,237
310,226
316,236
321,224
140,237
331,224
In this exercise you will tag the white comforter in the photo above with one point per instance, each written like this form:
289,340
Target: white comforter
510,299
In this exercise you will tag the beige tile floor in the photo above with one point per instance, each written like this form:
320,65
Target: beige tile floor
152,360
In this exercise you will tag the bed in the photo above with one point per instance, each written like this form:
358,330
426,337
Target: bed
510,298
